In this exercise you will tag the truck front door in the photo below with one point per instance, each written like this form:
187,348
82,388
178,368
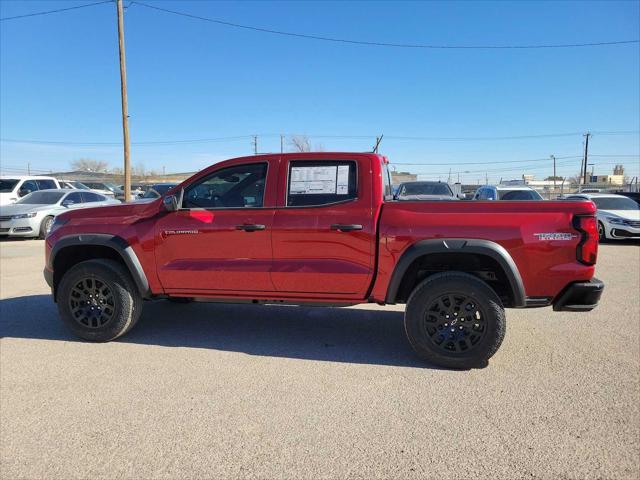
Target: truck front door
220,238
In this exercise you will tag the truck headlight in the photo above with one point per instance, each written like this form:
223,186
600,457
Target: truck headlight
23,215
615,220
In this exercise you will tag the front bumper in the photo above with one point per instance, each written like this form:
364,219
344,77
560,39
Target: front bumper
23,227
579,296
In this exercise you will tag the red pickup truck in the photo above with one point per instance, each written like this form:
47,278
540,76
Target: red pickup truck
324,229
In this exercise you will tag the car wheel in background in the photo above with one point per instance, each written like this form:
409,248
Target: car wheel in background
45,227
455,320
602,236
98,300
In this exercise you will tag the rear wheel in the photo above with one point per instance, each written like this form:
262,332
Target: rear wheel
98,300
455,320
45,227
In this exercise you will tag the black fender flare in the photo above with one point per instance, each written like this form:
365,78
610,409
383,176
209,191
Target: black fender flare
119,244
460,245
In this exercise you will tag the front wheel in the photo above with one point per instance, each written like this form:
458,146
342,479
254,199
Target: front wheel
45,227
602,235
98,300
455,320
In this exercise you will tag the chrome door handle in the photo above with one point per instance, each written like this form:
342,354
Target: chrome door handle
345,228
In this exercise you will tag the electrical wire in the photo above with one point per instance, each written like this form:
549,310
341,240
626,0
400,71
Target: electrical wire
378,44
35,14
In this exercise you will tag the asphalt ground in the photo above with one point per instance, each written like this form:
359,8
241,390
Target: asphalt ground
241,391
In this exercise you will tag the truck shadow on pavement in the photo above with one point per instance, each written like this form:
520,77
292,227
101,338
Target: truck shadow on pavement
312,333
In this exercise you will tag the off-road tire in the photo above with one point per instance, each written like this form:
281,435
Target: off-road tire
484,298
43,227
125,298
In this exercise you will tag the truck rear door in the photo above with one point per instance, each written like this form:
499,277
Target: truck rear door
323,230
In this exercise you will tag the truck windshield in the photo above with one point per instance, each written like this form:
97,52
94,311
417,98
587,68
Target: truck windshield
7,185
425,189
613,203
519,195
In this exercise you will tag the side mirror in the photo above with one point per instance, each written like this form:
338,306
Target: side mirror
170,203
23,192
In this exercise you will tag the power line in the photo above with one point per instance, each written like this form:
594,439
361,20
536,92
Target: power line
274,135
377,44
485,163
55,11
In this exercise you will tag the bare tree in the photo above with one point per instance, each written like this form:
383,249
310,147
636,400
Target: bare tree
90,165
301,143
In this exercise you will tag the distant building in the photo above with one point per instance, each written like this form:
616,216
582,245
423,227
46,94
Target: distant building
400,177
608,179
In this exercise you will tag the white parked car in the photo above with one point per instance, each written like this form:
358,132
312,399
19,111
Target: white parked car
618,216
13,187
33,214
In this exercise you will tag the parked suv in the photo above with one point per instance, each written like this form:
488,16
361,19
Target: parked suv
506,192
12,188
425,191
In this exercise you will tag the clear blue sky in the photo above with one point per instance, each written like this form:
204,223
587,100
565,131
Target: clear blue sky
190,79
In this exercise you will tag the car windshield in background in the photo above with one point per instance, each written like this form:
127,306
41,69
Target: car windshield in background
79,186
41,198
7,185
157,191
612,203
519,195
425,189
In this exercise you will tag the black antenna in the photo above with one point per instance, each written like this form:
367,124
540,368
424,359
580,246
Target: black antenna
378,140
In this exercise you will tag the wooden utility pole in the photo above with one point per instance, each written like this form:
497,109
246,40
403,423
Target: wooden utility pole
281,143
255,144
586,157
125,109
553,157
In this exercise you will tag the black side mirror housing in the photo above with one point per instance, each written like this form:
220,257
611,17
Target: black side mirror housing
170,203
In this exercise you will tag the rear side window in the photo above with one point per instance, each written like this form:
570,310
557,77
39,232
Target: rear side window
322,182
46,184
92,197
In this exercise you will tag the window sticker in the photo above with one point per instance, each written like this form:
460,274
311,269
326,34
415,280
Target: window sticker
342,187
314,180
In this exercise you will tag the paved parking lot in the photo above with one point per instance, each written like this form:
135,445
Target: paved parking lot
221,391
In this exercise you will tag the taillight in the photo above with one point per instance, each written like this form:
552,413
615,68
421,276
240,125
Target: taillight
587,251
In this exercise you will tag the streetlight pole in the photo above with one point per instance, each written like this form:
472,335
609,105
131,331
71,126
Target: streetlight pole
125,110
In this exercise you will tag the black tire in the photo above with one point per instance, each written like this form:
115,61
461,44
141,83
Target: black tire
476,314
45,226
602,236
98,316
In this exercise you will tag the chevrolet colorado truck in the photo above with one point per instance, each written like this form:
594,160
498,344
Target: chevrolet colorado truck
323,229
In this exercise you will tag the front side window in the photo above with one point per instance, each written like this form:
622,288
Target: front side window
315,183
72,199
240,186
29,185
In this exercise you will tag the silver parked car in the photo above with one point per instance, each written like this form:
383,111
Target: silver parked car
33,214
